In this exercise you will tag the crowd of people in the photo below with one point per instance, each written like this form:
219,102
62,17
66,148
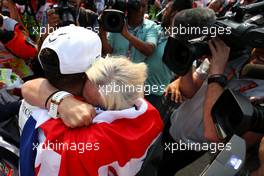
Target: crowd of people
108,98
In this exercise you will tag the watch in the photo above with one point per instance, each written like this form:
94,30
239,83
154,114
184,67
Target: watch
56,99
217,78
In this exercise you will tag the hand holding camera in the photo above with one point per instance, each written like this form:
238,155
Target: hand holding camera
261,153
113,17
240,30
260,170
220,54
63,14
125,31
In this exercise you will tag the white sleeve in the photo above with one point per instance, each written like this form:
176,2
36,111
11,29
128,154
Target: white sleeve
9,23
203,69
25,112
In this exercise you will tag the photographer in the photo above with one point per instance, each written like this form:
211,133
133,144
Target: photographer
159,75
203,92
138,38
83,17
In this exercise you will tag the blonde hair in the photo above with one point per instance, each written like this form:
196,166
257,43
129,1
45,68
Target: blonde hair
115,77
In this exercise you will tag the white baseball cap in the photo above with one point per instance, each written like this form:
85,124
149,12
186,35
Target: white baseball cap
77,48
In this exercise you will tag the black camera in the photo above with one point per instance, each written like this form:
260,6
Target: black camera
66,11
233,113
113,17
244,30
20,2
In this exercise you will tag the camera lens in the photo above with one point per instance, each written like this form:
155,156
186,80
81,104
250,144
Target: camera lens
113,20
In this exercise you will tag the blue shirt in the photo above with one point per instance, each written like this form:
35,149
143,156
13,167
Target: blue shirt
146,32
159,75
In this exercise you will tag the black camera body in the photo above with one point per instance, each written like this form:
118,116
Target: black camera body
244,33
113,17
233,113
66,12
20,2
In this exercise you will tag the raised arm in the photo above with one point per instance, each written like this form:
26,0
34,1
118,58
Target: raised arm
106,47
145,47
220,54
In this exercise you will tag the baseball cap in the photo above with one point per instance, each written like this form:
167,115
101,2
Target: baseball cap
77,48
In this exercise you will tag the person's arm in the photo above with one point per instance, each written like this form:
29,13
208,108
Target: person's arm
216,5
14,14
190,83
106,47
220,55
147,48
174,89
260,170
35,92
73,112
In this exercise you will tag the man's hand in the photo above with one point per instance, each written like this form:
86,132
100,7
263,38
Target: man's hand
75,113
174,89
261,153
216,5
146,48
125,31
220,54
260,170
53,18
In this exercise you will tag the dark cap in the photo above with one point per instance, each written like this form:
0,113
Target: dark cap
194,18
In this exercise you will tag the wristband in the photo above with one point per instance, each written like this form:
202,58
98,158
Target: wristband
55,101
217,78
47,100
